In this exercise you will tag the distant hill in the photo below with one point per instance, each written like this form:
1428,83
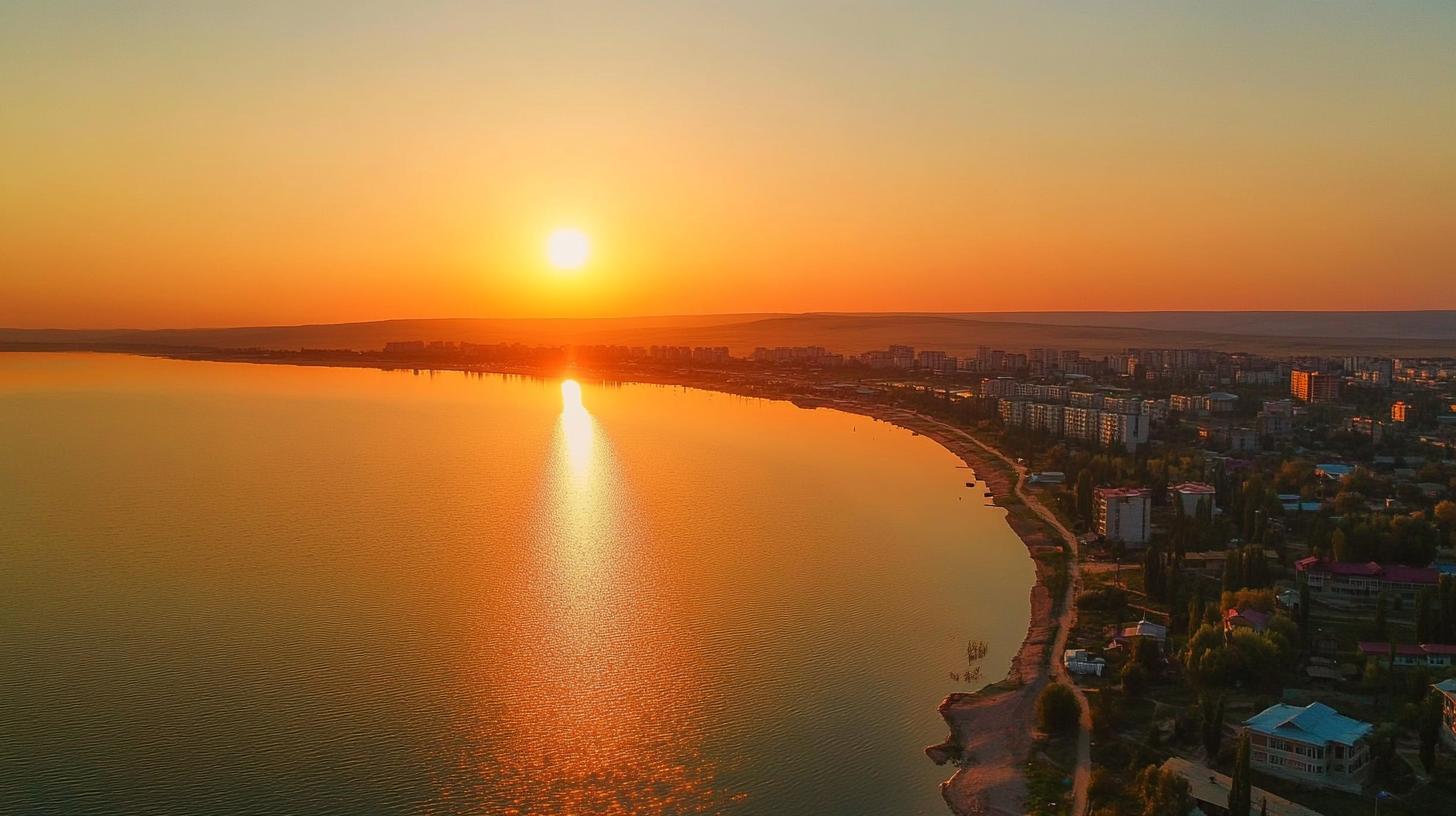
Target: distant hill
1423,325
1387,333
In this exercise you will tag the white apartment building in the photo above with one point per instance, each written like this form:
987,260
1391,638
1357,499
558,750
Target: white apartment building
1124,514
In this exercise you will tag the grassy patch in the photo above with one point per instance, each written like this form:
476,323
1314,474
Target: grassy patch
1049,778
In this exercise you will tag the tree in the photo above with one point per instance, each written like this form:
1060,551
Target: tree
1380,604
1084,495
1240,795
1162,793
1425,617
1429,727
1134,679
1445,513
1341,549
1210,712
1057,710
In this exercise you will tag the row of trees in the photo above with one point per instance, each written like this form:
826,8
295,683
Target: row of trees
1436,612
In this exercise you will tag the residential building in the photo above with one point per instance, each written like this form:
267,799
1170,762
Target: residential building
1081,423
930,359
1366,426
1251,619
1313,386
1447,690
1124,514
1408,655
1221,402
1142,630
1045,416
1401,411
1125,430
1364,582
1210,789
1189,494
1185,403
1012,411
1313,745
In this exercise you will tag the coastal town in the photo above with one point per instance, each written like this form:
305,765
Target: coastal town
1247,594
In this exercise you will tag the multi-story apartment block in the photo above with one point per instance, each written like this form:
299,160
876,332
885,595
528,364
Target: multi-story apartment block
1127,430
1401,411
1313,386
1012,411
1081,423
1045,416
1124,514
1191,493
1313,745
1185,403
1366,426
1123,405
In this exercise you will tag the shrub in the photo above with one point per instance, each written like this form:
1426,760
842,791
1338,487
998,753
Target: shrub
1134,679
1108,598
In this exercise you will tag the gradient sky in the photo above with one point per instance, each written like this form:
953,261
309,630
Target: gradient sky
190,164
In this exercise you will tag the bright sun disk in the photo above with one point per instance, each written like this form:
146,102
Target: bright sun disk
567,248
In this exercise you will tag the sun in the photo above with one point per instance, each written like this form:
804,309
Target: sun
567,249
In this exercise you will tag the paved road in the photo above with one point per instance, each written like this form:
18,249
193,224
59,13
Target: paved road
1082,776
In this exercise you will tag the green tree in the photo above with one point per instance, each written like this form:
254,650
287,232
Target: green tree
1210,710
1341,549
1240,795
1425,617
1429,727
1084,496
1134,679
1162,793
1380,605
1057,710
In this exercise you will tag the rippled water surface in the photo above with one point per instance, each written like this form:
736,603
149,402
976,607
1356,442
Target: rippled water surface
232,588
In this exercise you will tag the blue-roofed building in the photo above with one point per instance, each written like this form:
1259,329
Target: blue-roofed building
1314,745
1447,690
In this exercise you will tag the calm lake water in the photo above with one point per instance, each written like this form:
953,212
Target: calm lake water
231,588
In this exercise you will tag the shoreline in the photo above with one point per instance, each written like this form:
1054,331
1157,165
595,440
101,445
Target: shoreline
991,729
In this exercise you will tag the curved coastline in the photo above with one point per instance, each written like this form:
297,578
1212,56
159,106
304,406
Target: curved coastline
990,730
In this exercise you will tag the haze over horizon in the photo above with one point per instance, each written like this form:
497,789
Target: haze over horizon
274,165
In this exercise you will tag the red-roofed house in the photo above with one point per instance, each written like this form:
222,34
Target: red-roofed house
1245,619
1337,579
1435,655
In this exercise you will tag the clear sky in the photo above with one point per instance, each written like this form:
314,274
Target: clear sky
189,164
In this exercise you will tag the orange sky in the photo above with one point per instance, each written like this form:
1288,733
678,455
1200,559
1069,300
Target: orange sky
170,166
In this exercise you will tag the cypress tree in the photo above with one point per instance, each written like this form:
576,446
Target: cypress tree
1240,797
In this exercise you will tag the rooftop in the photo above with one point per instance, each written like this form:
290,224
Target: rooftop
1207,785
1123,492
1316,722
1382,648
1193,487
1397,573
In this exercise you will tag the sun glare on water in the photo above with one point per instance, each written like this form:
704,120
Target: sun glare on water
567,249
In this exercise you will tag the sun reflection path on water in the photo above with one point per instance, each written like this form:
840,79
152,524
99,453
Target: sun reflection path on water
614,721
578,430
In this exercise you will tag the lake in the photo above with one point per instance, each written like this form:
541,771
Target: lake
234,588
